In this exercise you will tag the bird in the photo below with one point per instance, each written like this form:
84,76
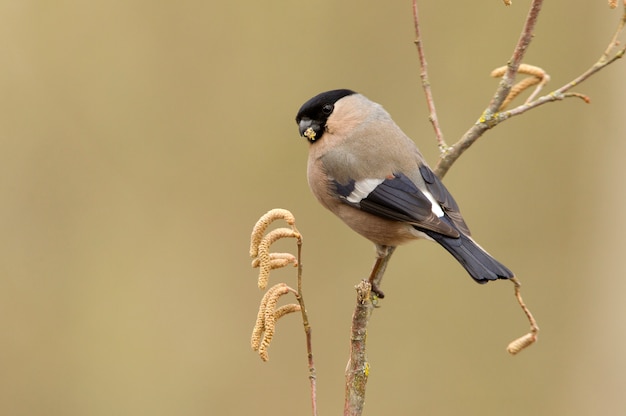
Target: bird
364,169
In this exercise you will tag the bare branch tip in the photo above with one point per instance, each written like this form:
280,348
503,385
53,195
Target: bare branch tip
530,338
583,97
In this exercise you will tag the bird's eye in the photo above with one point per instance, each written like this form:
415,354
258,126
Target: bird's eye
327,109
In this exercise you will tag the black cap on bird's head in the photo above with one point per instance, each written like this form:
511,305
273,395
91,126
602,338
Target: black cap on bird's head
313,114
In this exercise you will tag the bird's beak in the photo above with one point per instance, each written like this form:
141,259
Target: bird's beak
309,129
304,125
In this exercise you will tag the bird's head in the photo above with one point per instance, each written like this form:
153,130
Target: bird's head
313,114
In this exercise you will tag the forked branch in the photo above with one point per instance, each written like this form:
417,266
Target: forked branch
492,116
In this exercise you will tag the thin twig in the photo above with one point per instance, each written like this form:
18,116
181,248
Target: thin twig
530,338
432,116
614,42
307,332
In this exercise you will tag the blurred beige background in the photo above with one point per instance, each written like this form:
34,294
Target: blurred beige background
140,141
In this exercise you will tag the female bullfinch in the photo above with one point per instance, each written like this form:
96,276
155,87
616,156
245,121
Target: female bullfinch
365,170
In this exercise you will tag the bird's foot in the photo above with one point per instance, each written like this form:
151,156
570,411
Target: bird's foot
376,290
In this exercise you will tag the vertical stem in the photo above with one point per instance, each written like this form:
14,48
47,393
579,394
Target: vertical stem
307,332
357,370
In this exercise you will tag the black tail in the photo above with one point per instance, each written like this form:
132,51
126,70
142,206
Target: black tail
478,263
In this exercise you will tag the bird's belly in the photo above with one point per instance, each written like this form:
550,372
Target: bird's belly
378,230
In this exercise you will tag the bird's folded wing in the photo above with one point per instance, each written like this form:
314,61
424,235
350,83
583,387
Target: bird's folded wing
398,198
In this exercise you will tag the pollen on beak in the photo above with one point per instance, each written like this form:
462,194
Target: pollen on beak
309,133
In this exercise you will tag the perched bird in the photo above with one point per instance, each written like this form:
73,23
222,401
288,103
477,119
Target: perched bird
365,170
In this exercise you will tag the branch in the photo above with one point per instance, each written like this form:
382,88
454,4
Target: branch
485,122
358,368
432,116
491,117
531,337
